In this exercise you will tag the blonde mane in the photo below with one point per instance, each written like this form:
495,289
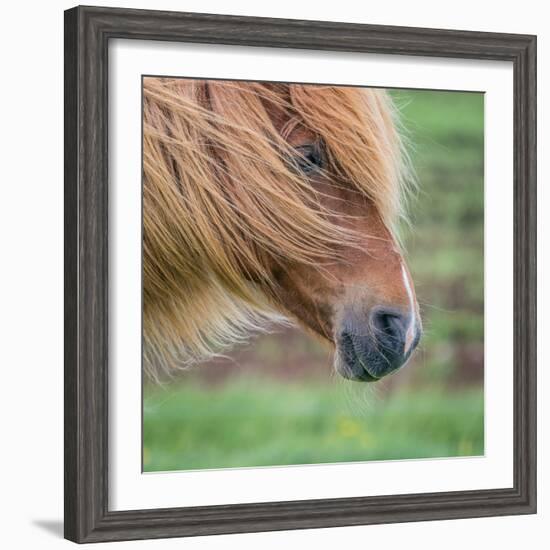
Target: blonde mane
220,196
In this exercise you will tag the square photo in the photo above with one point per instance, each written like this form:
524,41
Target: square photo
313,274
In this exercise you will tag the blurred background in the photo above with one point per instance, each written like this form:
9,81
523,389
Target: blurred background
277,401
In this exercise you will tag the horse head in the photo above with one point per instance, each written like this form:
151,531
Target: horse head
269,199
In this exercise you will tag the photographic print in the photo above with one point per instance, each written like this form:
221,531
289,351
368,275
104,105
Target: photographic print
300,276
312,274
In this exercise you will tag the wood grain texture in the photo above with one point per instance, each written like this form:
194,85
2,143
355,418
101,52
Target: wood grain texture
87,34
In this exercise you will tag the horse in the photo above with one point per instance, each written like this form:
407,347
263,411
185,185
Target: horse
271,201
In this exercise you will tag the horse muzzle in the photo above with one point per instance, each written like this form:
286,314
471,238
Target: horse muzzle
377,348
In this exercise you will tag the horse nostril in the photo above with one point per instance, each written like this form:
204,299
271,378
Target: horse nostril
390,327
376,350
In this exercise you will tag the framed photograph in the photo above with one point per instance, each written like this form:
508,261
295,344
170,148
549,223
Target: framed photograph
300,263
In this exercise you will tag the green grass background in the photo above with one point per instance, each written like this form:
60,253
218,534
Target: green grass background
277,401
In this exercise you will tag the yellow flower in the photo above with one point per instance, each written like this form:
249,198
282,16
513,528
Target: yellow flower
348,427
146,456
465,447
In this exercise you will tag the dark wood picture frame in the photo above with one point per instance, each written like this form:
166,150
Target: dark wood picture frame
87,34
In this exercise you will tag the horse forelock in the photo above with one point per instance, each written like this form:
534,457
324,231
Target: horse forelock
220,197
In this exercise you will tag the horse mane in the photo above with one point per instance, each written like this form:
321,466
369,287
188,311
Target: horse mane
220,196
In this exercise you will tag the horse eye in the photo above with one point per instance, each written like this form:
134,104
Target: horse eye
310,158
